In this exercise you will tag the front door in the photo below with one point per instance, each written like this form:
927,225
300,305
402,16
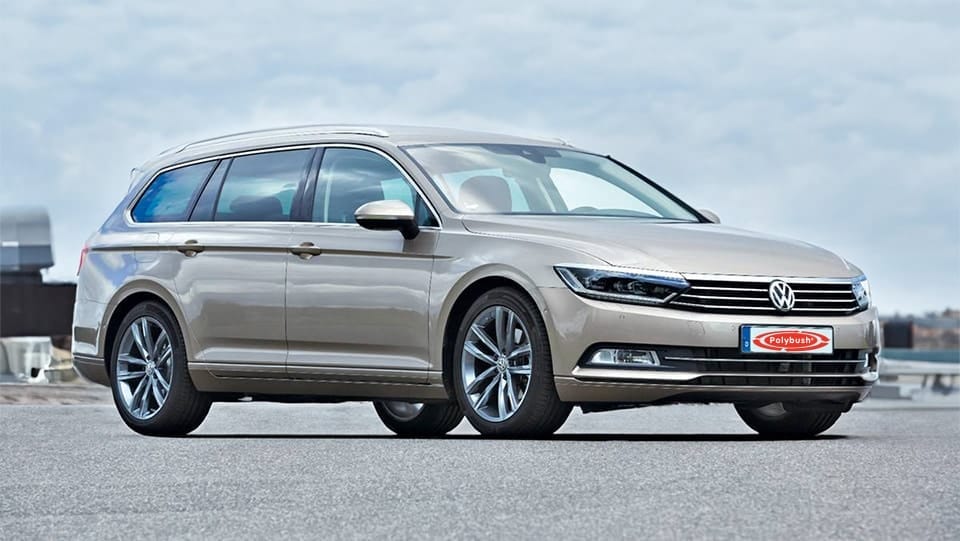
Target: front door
357,300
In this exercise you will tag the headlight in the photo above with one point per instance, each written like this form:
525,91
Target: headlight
622,285
861,290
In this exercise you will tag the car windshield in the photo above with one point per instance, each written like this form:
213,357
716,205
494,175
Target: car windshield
525,179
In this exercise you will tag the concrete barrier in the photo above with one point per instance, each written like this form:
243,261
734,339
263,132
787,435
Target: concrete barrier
26,358
910,379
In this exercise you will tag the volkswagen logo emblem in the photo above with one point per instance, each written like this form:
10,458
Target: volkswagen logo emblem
781,295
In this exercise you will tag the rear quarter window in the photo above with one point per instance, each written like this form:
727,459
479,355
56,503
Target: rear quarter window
169,196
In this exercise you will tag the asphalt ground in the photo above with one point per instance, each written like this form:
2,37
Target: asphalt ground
333,472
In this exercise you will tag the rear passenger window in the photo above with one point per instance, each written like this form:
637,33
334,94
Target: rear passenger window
168,197
261,187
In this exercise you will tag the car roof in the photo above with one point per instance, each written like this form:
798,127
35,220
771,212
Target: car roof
396,135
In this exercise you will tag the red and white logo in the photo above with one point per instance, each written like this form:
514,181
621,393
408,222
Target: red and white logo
791,341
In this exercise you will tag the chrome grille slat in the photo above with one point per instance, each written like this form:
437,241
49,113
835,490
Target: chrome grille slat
833,291
760,308
758,299
830,297
822,310
848,301
711,297
699,288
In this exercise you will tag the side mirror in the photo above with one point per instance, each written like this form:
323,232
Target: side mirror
710,215
389,215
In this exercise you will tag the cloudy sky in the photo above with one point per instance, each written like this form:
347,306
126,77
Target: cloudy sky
834,122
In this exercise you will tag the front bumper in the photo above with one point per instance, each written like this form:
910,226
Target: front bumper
611,392
700,360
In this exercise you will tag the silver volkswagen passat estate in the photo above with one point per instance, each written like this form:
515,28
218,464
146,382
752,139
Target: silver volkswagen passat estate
445,273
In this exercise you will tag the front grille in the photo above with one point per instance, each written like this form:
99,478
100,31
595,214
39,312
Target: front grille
727,366
753,297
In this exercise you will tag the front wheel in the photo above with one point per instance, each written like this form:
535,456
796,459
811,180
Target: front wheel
775,421
503,371
416,419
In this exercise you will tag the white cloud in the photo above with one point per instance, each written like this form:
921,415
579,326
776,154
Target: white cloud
837,123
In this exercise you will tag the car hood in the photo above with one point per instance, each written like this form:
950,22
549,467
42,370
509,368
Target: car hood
677,246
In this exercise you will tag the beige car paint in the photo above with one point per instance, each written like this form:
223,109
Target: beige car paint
362,303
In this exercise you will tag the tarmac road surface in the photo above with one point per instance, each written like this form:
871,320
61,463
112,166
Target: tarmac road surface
332,471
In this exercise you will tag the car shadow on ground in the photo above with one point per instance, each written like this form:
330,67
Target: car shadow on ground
587,437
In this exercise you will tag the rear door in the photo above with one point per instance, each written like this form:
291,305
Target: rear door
357,305
230,261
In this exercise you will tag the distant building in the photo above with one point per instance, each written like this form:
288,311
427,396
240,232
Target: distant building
25,247
29,306
898,333
937,331
931,331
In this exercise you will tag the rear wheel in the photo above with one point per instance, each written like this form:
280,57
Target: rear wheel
148,374
773,420
416,419
503,371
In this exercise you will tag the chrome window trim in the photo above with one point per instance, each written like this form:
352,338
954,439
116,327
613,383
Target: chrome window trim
128,212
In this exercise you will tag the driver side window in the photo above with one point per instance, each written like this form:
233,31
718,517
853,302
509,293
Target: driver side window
350,178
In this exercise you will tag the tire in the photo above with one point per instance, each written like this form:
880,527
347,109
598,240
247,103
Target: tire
425,420
183,408
774,421
531,412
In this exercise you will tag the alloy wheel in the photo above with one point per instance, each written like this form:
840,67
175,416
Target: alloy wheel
144,367
496,363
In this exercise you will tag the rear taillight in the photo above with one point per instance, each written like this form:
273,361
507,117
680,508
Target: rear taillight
83,257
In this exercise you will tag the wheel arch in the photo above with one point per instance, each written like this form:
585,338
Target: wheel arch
471,288
125,301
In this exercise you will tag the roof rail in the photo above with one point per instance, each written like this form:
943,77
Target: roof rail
308,129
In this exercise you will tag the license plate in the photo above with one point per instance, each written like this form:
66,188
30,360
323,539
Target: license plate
786,340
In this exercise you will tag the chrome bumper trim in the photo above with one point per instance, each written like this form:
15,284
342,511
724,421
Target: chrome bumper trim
645,374
762,360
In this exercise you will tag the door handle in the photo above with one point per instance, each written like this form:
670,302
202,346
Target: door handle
190,248
305,250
